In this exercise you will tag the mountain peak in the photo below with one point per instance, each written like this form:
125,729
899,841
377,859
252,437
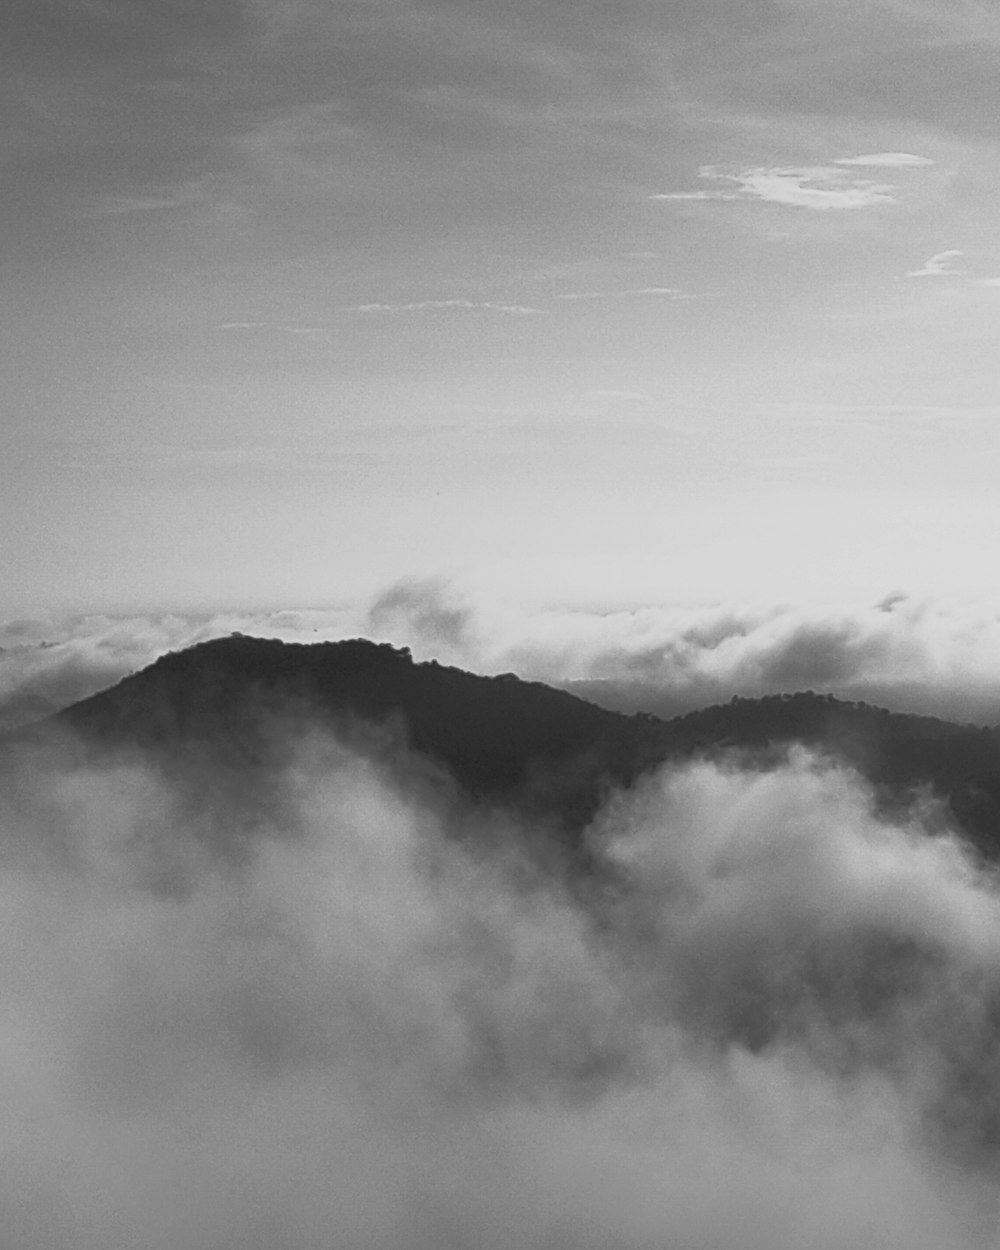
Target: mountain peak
241,700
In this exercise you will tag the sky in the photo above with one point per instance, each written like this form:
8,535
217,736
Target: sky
599,303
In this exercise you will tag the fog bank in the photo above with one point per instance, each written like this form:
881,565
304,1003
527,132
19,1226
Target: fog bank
933,656
768,1021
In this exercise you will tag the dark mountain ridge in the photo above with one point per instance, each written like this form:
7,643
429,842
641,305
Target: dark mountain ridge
224,711
224,720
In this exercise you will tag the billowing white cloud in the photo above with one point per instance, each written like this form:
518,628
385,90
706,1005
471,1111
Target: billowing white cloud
933,656
936,656
776,1029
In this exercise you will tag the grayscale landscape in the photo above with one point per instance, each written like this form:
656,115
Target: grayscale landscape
499,631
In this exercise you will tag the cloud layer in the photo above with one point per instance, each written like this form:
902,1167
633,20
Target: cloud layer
933,656
769,1024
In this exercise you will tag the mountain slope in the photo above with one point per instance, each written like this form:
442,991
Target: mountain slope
226,712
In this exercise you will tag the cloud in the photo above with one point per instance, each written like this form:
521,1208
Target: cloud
877,414
933,656
430,609
694,195
821,188
939,657
270,325
670,292
438,305
939,265
50,662
968,24
818,187
770,1023
303,114
888,160
119,204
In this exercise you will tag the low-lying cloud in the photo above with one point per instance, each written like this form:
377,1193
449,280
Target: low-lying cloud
48,662
934,656
766,1022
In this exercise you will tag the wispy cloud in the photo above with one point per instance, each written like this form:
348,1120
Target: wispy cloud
439,305
117,205
940,265
270,325
874,414
938,656
972,22
822,188
667,292
887,160
695,195
819,187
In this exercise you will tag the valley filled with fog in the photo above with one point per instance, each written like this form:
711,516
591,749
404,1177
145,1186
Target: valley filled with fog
370,1009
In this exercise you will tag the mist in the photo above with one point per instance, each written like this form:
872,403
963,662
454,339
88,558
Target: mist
765,1019
934,656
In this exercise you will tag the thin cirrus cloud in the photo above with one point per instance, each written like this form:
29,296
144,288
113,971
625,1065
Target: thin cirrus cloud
118,205
666,292
908,415
268,325
821,188
887,160
445,305
940,265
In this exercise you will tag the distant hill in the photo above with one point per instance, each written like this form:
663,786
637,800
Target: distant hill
899,754
225,714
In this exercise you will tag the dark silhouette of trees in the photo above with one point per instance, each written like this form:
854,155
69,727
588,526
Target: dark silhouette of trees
226,715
